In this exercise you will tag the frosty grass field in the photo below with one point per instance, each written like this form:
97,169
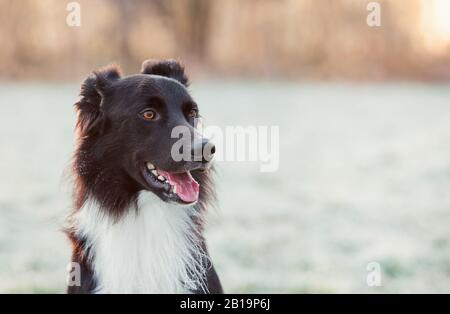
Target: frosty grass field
364,176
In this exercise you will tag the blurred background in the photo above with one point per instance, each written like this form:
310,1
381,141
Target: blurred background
364,117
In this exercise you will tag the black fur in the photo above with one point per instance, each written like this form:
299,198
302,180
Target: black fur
168,68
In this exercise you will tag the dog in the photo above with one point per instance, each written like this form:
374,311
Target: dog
138,215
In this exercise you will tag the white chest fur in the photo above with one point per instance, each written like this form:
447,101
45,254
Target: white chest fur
153,250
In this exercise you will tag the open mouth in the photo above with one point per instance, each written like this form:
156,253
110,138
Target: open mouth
179,187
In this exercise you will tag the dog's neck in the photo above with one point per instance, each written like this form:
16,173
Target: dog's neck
96,179
154,248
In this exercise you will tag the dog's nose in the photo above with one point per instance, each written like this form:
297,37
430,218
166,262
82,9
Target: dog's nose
203,150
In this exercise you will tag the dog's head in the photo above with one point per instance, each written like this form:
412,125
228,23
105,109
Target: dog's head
126,134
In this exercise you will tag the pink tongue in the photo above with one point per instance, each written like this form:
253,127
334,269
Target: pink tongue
187,187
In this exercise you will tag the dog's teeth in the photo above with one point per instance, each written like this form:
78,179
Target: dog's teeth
161,178
155,173
150,166
175,189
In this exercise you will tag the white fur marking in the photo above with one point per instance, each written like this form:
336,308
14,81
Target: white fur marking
153,250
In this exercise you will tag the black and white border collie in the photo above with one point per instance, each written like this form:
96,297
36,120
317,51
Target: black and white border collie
137,219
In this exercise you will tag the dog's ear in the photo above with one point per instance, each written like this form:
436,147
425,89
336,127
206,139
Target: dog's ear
168,68
93,90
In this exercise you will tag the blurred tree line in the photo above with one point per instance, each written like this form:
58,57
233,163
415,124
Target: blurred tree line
313,39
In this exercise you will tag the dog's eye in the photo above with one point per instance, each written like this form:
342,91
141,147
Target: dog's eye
193,113
149,115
